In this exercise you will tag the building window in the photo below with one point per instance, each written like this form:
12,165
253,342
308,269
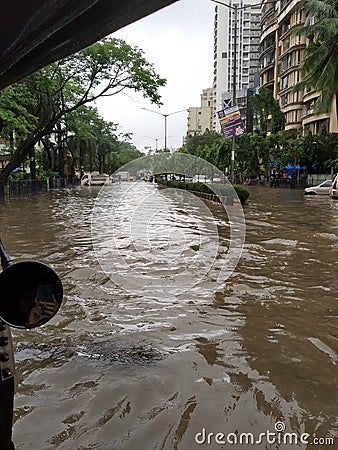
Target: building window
284,100
284,83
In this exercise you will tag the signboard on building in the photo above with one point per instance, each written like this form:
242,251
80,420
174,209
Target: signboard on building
230,121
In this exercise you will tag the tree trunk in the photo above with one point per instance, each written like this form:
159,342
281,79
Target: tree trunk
19,156
55,160
61,151
11,142
32,162
44,127
48,149
90,162
81,159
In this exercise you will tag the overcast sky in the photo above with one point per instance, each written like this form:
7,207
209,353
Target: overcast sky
178,40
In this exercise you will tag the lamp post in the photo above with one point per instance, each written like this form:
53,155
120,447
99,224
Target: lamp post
235,8
165,122
154,139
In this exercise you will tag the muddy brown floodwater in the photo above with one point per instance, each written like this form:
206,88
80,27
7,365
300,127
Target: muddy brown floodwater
252,361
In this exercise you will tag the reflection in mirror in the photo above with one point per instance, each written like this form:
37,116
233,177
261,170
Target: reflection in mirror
30,294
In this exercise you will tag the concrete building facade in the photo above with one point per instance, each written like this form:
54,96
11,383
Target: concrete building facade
200,117
282,52
247,50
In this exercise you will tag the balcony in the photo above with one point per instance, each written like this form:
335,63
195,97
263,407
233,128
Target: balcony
268,83
266,23
310,94
289,28
267,49
289,48
267,11
285,3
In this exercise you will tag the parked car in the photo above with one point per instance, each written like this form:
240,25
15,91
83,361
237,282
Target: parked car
122,176
322,188
201,178
95,180
334,187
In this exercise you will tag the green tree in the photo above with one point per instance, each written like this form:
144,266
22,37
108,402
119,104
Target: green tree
81,140
253,153
223,153
320,64
103,69
194,141
15,118
268,110
327,145
127,152
15,104
92,140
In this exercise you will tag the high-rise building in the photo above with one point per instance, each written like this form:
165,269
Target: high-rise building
247,50
282,52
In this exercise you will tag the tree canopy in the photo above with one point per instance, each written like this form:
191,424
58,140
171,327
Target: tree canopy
268,110
39,105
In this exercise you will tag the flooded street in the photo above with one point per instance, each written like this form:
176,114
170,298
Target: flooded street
150,350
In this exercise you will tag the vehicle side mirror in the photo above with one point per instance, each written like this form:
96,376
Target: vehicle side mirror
30,294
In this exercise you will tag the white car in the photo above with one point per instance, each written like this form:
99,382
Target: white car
201,178
322,188
95,180
334,187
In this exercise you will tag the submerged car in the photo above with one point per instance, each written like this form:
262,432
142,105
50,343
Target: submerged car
334,187
322,188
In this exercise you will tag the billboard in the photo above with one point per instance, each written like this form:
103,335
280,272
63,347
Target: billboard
231,121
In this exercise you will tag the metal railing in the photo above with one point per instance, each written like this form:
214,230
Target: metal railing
31,187
24,187
2,190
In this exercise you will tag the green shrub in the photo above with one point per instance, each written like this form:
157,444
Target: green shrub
243,194
217,188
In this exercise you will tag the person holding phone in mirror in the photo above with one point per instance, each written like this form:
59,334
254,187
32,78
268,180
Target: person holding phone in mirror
45,306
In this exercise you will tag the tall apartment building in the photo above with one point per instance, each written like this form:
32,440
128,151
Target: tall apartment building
247,51
282,52
200,117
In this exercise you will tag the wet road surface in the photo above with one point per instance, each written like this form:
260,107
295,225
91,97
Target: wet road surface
128,365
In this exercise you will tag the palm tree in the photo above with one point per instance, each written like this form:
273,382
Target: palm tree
320,64
80,147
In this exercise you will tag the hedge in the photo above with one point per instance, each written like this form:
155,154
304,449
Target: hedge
217,188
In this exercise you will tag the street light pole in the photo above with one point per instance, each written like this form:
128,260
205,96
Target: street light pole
165,132
154,139
235,8
165,123
234,84
234,77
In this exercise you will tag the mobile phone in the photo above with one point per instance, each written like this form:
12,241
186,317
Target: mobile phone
44,293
